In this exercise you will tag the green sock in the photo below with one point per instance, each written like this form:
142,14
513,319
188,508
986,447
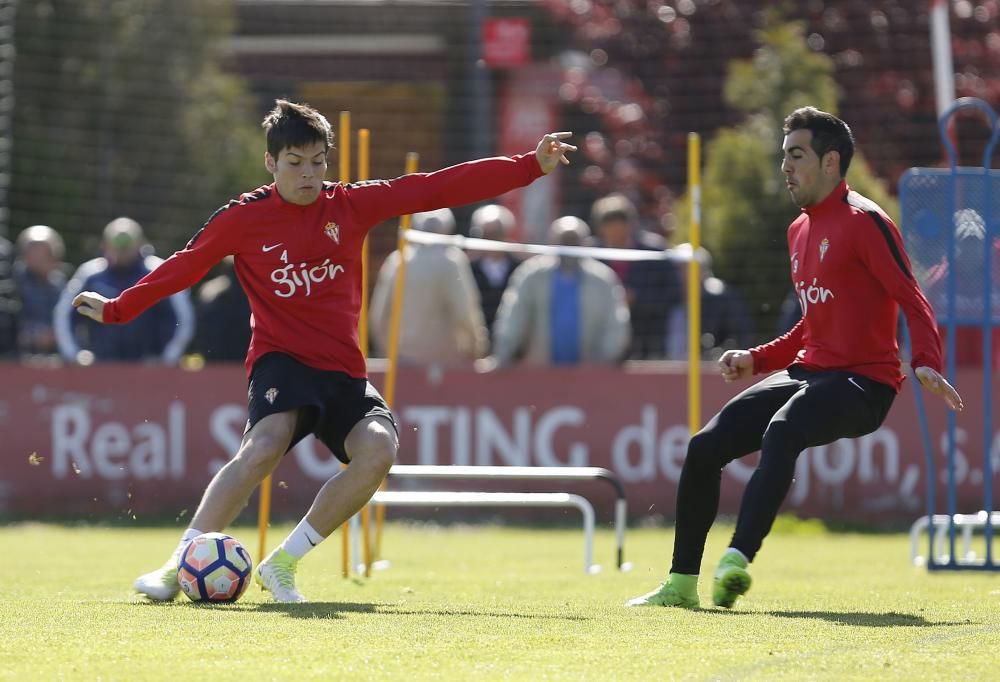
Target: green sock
686,585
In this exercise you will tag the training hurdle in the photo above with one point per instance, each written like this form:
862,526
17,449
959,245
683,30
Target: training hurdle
522,499
477,499
537,473
941,547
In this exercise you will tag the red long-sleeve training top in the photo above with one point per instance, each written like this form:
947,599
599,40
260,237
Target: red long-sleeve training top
301,265
851,275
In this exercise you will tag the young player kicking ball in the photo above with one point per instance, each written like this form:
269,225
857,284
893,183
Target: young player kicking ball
297,245
836,372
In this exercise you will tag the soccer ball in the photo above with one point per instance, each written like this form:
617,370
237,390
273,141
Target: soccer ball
214,568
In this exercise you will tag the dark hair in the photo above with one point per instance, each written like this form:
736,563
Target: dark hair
295,125
829,133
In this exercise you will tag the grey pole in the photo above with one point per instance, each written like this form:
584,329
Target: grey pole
480,85
8,11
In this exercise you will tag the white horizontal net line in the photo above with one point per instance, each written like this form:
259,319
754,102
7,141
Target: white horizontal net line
601,253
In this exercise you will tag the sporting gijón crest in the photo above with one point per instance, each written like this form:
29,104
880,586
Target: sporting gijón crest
332,230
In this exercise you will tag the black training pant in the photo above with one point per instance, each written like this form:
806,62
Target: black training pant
781,416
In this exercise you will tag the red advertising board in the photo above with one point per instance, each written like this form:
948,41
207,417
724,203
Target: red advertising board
114,440
506,41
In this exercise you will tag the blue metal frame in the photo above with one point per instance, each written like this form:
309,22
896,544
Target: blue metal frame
951,320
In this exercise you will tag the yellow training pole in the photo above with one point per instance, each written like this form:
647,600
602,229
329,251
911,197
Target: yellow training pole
395,315
694,285
345,176
263,516
363,163
363,149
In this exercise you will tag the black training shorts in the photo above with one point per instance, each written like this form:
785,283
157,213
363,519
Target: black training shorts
330,403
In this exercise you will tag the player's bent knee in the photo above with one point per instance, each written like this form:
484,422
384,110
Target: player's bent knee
380,451
263,452
705,451
700,445
781,440
375,446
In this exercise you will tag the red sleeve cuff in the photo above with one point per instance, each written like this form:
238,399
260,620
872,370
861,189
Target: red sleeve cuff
921,361
534,168
111,314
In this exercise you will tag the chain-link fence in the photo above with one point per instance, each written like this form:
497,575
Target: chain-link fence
151,108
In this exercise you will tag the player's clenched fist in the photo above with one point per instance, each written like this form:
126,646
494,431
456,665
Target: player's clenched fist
90,304
736,364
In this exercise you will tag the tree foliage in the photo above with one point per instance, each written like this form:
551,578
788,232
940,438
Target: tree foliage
122,108
746,208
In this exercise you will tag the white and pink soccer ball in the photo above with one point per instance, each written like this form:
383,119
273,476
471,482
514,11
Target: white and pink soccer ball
215,568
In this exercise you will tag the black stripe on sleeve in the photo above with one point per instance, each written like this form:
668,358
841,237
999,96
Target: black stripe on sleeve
250,197
893,246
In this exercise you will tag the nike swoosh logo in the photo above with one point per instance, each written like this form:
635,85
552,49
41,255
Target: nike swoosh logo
309,540
856,384
265,248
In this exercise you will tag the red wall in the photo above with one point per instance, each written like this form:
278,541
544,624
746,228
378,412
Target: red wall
123,440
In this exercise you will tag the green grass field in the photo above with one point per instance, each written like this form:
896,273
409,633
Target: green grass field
488,602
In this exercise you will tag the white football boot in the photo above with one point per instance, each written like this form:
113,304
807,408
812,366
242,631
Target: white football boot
276,574
161,584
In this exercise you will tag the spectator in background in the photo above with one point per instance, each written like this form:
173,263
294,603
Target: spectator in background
9,305
652,288
222,332
162,333
39,276
492,269
562,310
725,321
442,323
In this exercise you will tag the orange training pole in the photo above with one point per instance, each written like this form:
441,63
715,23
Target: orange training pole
263,516
396,314
363,170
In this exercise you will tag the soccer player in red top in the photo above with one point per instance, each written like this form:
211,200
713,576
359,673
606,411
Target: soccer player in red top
297,246
836,372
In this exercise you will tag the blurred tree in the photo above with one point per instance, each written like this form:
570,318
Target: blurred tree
746,207
122,109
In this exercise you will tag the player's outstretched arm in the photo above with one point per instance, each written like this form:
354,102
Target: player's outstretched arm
551,151
935,383
736,364
90,304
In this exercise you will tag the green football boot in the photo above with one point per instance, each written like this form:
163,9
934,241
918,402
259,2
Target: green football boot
731,580
678,590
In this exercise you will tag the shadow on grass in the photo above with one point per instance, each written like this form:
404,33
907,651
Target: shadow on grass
307,610
396,611
855,618
339,609
873,620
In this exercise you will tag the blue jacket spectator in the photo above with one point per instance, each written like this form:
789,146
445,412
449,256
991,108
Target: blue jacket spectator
561,310
161,333
40,276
